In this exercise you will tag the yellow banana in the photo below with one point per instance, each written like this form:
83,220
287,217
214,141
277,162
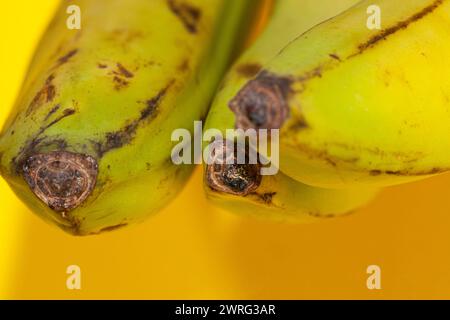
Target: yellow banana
357,105
87,146
240,188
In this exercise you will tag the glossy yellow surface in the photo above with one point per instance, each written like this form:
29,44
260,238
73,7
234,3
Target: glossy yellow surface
191,250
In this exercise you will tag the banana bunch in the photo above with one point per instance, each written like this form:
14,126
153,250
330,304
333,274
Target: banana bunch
355,106
88,144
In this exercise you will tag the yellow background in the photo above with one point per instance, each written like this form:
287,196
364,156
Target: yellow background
191,250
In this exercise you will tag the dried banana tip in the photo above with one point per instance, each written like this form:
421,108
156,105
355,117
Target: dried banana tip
61,179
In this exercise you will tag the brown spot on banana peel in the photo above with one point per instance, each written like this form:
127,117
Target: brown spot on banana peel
153,103
184,66
72,224
45,95
123,71
66,57
399,26
61,179
248,70
266,197
120,83
262,103
404,157
52,111
32,145
335,56
124,136
297,123
409,172
188,14
121,77
231,178
338,162
110,229
113,228
331,215
124,37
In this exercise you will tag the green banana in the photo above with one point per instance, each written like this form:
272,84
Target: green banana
88,144
241,188
355,104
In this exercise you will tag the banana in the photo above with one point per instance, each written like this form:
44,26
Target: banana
289,18
358,105
88,144
241,188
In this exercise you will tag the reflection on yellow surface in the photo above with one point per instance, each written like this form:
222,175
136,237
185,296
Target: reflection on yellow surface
191,250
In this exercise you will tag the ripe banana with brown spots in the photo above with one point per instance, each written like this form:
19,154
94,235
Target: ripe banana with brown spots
88,143
241,188
358,105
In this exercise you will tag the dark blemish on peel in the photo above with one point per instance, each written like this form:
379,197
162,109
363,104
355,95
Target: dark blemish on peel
189,15
267,197
184,66
124,37
335,56
375,172
399,26
67,56
299,123
52,111
113,228
102,66
249,70
153,103
120,83
330,215
121,77
118,139
66,113
432,171
409,172
315,73
31,146
322,216
45,95
262,103
124,72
